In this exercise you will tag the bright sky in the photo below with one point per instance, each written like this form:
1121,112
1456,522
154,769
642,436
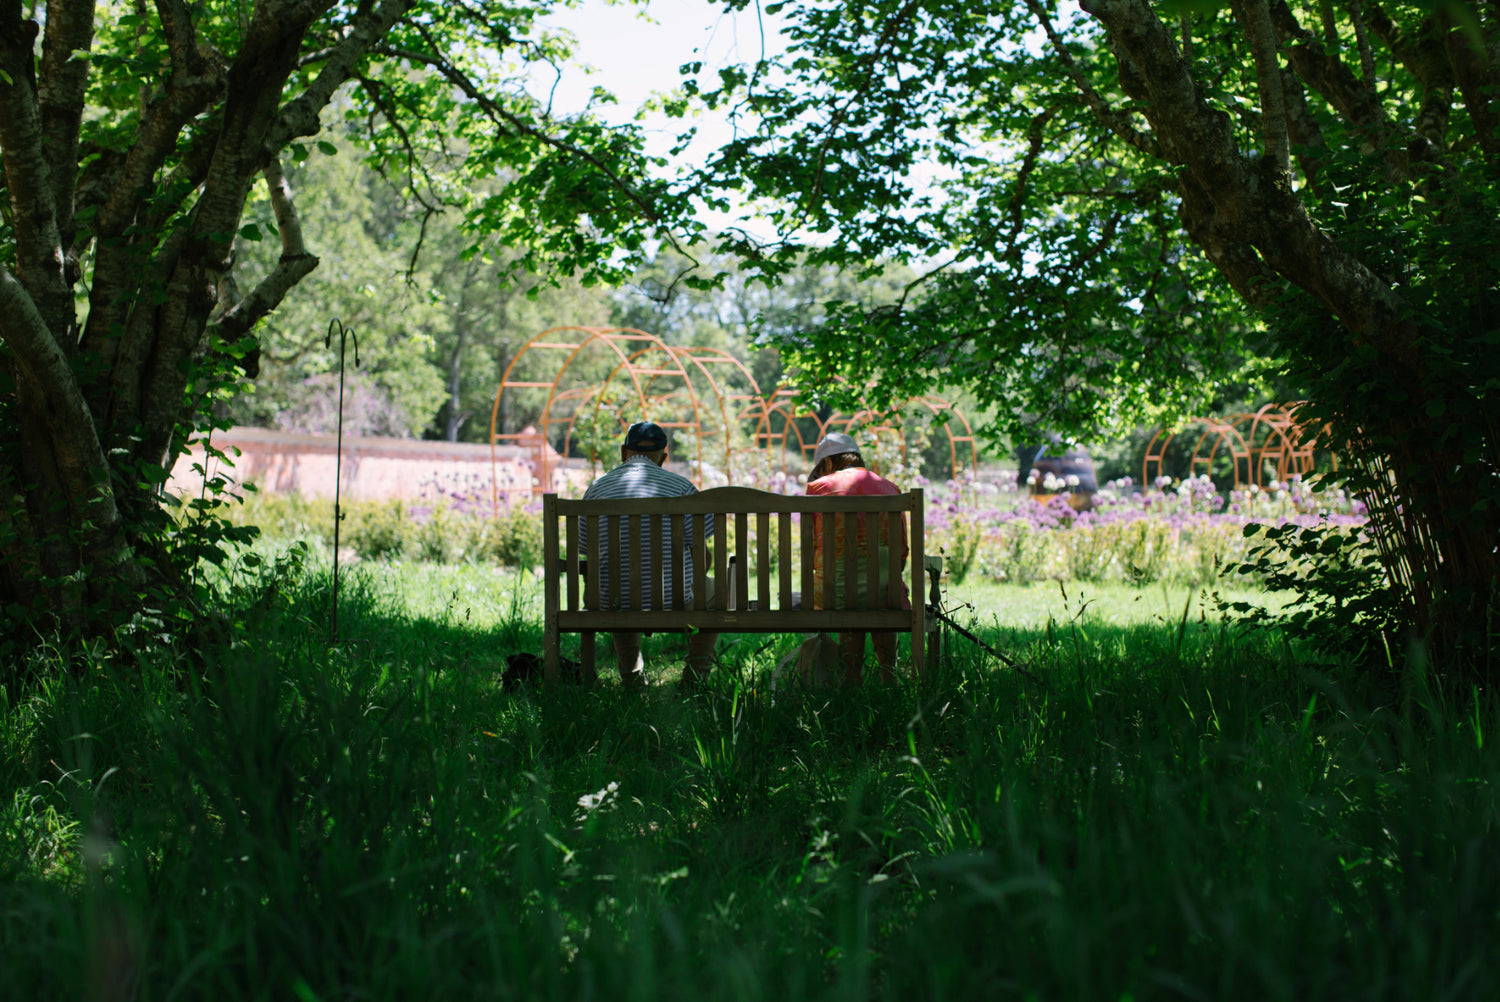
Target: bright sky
636,52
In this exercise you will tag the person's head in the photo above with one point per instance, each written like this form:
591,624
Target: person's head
645,439
836,452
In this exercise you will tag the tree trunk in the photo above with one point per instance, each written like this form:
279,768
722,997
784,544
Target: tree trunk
1432,489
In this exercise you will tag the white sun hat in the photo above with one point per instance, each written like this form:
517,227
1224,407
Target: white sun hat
833,445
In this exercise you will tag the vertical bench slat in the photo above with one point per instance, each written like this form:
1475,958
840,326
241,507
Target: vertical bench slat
852,598
594,588
784,557
658,572
763,561
918,610
721,561
831,527
808,598
873,524
570,533
637,587
679,595
700,562
742,561
550,638
894,532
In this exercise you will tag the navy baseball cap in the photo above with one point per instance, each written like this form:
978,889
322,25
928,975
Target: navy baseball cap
644,436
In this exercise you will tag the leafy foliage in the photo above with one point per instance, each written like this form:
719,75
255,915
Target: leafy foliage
133,139
1117,209
1049,273
1344,606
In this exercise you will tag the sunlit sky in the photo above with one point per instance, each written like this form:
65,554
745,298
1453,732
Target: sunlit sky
636,52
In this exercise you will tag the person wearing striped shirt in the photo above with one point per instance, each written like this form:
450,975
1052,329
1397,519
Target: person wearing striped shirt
641,474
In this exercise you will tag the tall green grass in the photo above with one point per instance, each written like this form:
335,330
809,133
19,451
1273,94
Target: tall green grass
1174,810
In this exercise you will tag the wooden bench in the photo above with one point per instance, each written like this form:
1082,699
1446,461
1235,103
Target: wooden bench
765,573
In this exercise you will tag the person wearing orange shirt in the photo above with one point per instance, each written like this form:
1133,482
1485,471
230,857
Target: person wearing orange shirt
839,470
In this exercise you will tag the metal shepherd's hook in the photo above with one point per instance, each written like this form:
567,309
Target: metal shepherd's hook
345,333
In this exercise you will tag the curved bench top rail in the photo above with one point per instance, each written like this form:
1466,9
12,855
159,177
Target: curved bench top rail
739,499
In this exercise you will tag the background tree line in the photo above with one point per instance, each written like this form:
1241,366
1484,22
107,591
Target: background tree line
439,315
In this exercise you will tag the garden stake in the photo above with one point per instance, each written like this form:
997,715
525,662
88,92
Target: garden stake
338,455
933,610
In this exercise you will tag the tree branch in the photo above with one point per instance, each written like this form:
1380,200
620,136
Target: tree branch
295,263
1302,126
1240,209
1255,18
1035,134
62,87
42,364
414,163
28,173
1331,79
188,92
299,116
253,95
1477,80
1110,118
500,116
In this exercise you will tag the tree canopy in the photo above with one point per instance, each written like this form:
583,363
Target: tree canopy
1117,204
133,136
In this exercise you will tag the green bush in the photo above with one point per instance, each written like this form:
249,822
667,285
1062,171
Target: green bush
959,545
514,539
377,529
1345,604
444,537
1019,554
384,530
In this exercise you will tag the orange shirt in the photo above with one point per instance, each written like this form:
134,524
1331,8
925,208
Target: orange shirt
855,481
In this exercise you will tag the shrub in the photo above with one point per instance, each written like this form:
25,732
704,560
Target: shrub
377,529
1345,603
514,539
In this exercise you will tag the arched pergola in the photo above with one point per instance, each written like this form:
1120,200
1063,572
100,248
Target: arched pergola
662,383
609,376
776,426
880,426
1250,441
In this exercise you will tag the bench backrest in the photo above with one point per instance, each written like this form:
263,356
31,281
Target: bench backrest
770,538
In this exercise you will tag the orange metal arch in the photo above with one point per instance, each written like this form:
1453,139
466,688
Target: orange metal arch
610,339
661,380
1271,435
646,361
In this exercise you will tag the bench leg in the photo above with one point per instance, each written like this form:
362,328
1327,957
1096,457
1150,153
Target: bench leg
586,656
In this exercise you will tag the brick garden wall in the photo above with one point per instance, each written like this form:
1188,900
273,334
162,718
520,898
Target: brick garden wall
371,468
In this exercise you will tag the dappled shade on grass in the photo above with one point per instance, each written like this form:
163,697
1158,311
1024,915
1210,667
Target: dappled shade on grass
1182,808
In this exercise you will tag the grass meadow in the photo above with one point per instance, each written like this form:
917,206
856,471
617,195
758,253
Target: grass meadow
1172,808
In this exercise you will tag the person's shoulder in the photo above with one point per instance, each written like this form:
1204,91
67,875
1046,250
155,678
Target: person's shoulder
855,480
676,482
600,482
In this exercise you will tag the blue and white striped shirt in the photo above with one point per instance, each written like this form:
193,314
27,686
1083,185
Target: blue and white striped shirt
639,477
